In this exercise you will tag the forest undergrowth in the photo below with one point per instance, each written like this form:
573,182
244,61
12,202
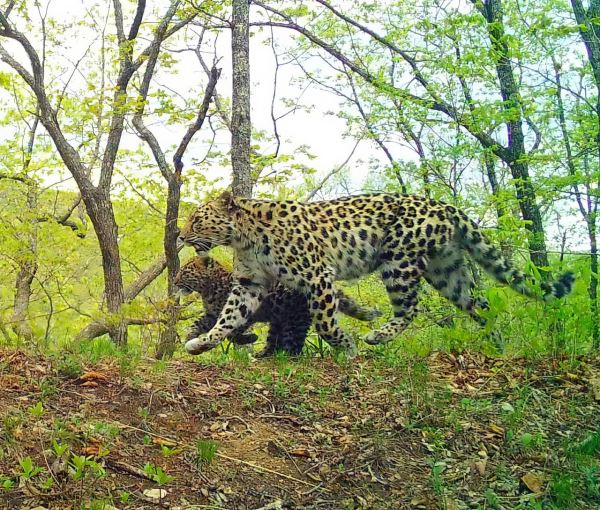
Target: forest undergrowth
99,428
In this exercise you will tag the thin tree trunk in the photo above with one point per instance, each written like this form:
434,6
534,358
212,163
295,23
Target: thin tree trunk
25,276
240,101
167,340
509,90
21,325
593,286
590,34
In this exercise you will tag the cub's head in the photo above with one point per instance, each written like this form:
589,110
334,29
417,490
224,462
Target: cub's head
197,274
210,225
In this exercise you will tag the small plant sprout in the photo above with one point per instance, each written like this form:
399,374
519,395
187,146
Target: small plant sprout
37,411
28,468
157,474
59,449
167,451
206,450
6,484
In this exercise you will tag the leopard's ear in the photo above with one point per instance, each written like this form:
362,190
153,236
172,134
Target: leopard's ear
228,201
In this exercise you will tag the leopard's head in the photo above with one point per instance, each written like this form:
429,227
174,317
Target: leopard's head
210,225
197,274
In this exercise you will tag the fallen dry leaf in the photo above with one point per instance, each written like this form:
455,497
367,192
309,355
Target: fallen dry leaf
91,450
155,494
300,451
92,375
595,384
533,481
480,466
496,429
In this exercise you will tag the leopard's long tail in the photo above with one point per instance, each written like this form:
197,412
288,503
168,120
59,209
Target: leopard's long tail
490,258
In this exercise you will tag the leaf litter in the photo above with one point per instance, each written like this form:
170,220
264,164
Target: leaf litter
445,431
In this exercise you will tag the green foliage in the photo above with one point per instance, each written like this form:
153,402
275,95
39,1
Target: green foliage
28,468
157,474
206,450
37,411
81,466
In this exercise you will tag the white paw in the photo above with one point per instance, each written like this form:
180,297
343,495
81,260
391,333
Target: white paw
199,345
375,338
352,352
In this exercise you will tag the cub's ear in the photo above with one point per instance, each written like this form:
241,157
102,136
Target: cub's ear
228,200
204,261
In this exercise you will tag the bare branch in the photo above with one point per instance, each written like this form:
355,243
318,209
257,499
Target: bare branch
137,20
275,76
127,68
195,127
331,173
433,103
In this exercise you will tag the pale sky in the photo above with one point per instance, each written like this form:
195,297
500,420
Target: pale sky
321,133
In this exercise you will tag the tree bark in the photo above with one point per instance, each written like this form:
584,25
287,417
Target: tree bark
590,34
25,276
21,325
240,101
509,90
167,340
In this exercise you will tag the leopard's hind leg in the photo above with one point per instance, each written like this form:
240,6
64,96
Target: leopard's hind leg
401,279
449,274
323,305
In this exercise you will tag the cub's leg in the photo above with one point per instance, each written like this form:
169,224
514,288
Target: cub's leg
349,307
290,321
243,300
287,335
322,305
401,280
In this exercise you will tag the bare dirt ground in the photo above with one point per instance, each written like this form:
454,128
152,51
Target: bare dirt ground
448,431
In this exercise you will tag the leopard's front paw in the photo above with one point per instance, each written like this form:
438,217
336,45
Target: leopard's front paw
375,338
199,345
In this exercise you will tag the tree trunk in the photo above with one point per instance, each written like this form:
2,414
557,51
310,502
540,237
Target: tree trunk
168,334
240,101
593,287
590,34
21,325
509,90
101,213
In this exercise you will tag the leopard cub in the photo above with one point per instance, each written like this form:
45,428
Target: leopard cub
285,310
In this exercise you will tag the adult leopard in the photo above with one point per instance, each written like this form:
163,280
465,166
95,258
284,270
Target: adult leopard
285,310
307,246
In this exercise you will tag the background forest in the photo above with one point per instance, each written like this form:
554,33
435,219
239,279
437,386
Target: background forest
118,117
490,106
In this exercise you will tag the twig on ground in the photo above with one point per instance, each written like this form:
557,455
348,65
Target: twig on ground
116,465
266,470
